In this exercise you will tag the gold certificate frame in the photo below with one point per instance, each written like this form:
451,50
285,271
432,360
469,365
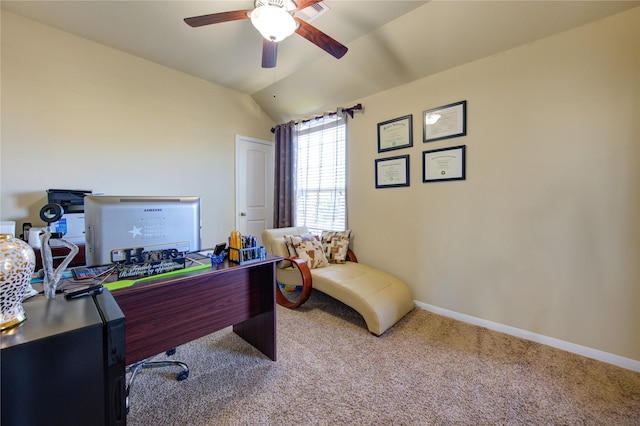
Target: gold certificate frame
448,121
395,134
444,164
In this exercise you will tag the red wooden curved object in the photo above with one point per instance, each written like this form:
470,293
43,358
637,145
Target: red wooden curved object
306,285
307,281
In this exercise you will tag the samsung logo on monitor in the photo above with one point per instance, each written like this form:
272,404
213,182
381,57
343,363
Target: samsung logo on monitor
152,210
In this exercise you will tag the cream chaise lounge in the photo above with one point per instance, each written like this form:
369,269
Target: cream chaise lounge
379,297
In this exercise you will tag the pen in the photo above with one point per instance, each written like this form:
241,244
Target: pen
83,292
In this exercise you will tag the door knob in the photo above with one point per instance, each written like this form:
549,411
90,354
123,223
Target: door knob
243,214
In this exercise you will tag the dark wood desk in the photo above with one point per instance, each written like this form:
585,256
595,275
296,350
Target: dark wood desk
164,313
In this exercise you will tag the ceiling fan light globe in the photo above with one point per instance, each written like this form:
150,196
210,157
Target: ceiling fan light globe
274,23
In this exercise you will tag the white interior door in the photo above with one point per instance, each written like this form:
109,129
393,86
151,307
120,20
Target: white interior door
254,185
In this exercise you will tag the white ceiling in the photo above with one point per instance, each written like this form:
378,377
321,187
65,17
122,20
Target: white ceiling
390,42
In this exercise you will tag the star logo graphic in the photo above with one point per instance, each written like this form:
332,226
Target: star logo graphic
135,231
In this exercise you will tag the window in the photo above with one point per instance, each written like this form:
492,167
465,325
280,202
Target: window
321,199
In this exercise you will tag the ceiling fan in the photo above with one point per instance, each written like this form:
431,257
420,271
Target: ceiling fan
276,21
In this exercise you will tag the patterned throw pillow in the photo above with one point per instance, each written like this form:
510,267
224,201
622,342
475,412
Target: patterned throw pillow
304,237
311,251
335,245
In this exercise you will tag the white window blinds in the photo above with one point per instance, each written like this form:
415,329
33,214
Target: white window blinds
321,203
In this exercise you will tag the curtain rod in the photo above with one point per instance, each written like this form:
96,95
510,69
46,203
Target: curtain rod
349,111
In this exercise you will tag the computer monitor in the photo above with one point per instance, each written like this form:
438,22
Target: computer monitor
123,222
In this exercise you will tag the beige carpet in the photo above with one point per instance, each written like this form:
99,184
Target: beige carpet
426,370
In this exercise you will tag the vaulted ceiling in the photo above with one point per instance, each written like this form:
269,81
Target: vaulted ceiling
390,42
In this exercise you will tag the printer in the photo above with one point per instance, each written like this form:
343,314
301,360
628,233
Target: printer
71,224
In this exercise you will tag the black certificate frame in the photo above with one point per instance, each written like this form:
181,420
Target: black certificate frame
448,157
403,126
455,126
396,165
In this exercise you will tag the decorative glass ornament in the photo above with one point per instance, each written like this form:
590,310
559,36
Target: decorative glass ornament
52,276
17,262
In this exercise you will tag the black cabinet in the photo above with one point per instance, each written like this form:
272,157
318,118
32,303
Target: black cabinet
65,364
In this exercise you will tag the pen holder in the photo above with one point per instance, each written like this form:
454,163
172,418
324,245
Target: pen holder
247,254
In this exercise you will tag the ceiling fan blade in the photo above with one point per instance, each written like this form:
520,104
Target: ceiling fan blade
303,4
320,39
216,18
269,53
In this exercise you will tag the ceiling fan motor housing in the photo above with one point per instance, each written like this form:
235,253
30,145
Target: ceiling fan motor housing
285,4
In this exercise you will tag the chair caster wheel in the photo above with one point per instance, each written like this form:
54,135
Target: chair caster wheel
171,352
182,376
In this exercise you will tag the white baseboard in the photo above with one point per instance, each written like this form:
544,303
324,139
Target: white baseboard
609,358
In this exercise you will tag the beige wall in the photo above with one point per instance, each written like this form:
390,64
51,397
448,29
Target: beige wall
544,234
79,115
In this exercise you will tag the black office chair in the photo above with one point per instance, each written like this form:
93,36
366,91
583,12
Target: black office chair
137,367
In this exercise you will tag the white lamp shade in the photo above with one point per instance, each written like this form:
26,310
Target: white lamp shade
273,22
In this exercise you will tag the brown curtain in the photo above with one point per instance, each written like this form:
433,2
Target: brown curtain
285,175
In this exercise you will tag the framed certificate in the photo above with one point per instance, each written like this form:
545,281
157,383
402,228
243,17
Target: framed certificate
395,134
449,121
392,172
444,164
